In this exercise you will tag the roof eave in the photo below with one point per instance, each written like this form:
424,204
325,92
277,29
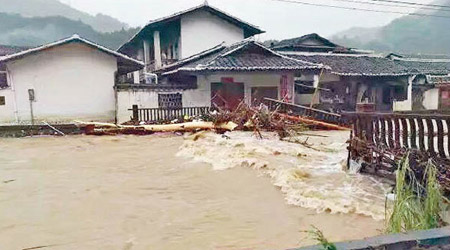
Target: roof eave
74,38
252,29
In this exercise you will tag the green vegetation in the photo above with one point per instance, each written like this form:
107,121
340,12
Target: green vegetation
408,34
416,206
317,235
34,31
47,8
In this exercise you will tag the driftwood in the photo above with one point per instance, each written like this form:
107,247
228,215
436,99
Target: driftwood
308,121
188,126
98,128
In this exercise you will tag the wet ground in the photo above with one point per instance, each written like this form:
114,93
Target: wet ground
171,192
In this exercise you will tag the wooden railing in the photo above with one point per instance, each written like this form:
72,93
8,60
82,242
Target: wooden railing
304,111
428,133
380,140
165,114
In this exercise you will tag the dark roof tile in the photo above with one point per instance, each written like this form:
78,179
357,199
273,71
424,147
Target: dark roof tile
357,65
243,56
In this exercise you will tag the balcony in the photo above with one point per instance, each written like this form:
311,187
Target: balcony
151,66
126,82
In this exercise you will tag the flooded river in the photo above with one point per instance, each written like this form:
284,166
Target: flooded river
173,192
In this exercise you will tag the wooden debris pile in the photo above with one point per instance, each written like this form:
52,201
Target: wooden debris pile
244,118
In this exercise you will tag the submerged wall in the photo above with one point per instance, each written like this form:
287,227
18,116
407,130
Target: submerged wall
146,97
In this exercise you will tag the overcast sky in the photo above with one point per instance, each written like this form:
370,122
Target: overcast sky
279,19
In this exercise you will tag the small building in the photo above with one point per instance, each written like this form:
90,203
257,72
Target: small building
354,79
430,84
71,79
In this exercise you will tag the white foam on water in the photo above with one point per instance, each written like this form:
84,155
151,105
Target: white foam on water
310,177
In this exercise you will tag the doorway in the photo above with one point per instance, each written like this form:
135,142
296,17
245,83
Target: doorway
227,95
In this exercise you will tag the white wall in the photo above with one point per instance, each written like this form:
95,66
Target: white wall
200,97
127,98
201,31
407,104
71,82
431,99
249,79
7,111
304,99
147,98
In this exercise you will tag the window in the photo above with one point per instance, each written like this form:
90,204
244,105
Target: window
304,87
387,97
2,101
170,101
3,80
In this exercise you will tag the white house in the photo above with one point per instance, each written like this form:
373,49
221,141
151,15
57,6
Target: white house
71,79
245,71
166,40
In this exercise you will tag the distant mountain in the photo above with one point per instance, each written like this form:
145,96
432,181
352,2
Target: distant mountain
408,34
46,8
34,31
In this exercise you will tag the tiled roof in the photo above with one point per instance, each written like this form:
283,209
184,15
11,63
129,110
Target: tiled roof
243,56
310,43
355,65
418,56
300,41
427,67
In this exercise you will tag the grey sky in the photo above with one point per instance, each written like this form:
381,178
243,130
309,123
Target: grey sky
280,20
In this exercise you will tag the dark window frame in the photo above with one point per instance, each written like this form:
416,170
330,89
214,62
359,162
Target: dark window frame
170,100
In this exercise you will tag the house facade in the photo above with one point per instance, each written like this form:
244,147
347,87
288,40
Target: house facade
429,89
71,79
354,80
180,51
242,72
181,35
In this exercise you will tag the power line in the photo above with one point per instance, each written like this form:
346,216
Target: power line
360,9
411,3
391,5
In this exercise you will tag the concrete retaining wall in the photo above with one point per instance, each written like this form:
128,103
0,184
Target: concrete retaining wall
425,238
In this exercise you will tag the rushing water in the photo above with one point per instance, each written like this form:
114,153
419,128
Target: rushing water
171,192
310,176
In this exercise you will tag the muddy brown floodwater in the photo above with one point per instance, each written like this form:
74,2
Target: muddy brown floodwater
171,192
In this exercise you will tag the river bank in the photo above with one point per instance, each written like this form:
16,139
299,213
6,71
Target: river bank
160,192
